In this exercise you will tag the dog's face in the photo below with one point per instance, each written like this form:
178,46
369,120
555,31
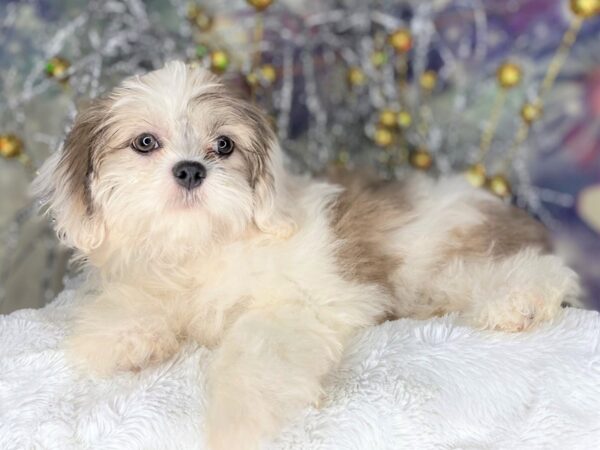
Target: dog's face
167,158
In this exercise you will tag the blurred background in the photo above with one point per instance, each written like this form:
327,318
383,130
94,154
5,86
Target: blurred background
506,92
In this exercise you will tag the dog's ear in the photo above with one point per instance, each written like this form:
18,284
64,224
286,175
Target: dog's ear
63,184
272,198
271,195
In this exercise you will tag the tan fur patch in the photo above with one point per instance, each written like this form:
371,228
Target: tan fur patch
505,231
364,218
81,152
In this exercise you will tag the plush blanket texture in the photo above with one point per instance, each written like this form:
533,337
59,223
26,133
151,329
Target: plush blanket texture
402,385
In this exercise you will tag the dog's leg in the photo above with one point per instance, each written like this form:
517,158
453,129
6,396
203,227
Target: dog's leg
269,367
510,293
468,252
121,329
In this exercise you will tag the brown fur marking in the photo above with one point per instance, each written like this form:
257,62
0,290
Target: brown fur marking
364,217
505,231
80,152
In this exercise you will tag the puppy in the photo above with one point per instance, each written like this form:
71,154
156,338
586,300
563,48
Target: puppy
175,194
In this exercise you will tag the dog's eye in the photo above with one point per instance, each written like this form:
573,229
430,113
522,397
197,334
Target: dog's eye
223,146
145,143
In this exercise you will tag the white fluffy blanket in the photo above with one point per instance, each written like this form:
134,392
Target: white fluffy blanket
402,385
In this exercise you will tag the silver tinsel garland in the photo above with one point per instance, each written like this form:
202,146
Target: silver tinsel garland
320,118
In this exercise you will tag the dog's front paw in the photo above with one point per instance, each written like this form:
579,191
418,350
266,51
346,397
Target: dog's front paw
529,293
104,352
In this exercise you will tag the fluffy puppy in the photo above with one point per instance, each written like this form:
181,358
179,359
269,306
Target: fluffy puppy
175,194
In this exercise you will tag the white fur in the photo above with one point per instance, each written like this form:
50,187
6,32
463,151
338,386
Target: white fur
252,269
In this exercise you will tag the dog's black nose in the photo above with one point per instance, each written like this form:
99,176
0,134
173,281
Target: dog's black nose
189,174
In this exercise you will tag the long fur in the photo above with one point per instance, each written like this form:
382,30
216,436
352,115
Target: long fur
274,270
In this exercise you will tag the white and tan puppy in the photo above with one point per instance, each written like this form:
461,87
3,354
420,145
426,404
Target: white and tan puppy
175,194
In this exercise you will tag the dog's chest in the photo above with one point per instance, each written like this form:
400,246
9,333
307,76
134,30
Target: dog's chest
265,272
248,276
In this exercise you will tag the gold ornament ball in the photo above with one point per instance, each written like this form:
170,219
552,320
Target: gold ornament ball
268,73
476,175
387,118
509,75
260,5
499,185
404,119
252,79
199,17
192,11
57,67
585,8
10,146
219,61
421,159
383,137
356,77
401,40
428,80
531,112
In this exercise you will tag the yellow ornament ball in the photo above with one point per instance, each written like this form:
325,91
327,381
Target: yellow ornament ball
219,61
404,119
401,40
585,8
387,118
10,146
476,175
531,112
500,186
421,159
264,75
57,67
268,73
383,137
356,77
260,5
428,80
252,79
509,75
